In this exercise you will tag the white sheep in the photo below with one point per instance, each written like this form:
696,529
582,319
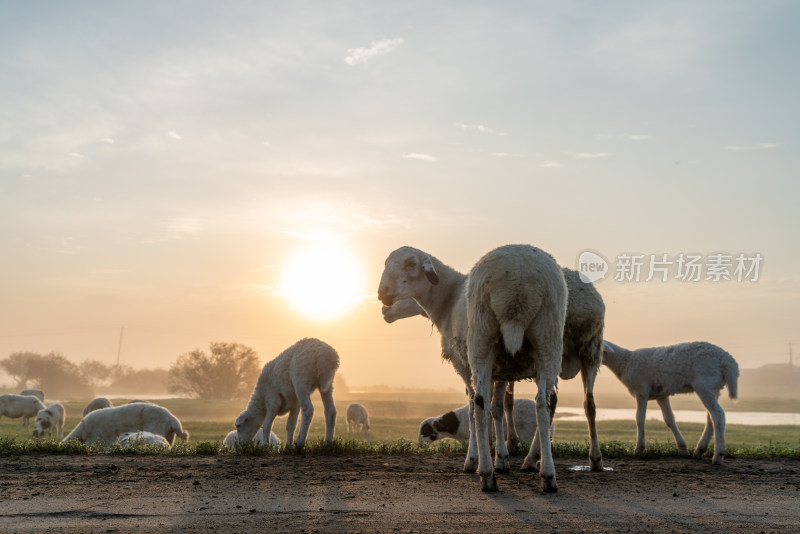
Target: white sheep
455,423
38,393
96,404
50,418
516,294
141,437
285,386
659,372
231,439
106,424
583,350
357,418
25,406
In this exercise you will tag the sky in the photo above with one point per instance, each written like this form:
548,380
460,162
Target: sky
163,165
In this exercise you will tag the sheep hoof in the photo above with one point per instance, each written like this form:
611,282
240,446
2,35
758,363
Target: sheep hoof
596,464
549,484
298,447
501,464
683,451
717,460
528,467
489,483
699,453
471,465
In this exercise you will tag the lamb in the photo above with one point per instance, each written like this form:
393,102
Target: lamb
96,404
659,372
38,393
106,424
357,418
141,437
583,349
231,439
285,385
25,406
516,293
455,424
51,417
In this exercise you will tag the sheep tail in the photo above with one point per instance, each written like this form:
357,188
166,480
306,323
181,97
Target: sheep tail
730,373
513,336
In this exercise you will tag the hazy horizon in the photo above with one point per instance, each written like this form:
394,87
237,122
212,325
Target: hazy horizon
180,169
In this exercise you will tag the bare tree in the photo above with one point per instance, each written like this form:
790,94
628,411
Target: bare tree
229,372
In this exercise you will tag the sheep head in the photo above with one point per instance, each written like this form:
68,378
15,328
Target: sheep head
247,425
408,273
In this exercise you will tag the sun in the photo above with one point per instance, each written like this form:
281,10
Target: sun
322,282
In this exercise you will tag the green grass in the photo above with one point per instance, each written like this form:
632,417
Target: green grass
395,419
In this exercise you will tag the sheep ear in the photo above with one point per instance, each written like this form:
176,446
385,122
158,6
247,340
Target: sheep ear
607,346
241,419
430,271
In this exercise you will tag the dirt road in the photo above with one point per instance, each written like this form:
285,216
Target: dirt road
387,494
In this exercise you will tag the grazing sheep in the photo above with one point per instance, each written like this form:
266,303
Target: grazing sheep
516,294
51,417
25,406
659,372
231,439
106,424
96,404
357,418
38,393
285,385
455,424
583,350
142,438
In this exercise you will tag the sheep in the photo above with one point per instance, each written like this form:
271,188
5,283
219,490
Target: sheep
516,293
285,385
140,437
38,393
105,424
25,406
96,404
582,352
51,417
455,423
659,372
231,439
357,418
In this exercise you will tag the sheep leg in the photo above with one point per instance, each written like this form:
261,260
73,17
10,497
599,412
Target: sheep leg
291,425
471,462
547,470
481,364
307,411
329,409
641,412
512,440
501,463
716,415
669,419
595,456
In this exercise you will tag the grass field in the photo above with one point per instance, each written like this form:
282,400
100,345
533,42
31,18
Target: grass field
395,418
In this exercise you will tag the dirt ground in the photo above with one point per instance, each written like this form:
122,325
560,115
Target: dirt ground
387,494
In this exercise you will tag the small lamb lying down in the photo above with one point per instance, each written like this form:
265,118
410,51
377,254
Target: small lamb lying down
659,372
455,424
231,439
142,438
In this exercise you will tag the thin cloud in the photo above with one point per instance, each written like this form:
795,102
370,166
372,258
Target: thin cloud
639,137
478,127
423,157
174,135
76,155
760,146
361,56
108,140
551,164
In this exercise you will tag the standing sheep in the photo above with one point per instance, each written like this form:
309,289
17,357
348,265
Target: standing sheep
38,393
51,417
659,372
583,349
107,424
357,418
25,406
504,322
96,404
285,385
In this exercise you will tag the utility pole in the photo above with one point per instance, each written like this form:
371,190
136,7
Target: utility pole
119,347
791,359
